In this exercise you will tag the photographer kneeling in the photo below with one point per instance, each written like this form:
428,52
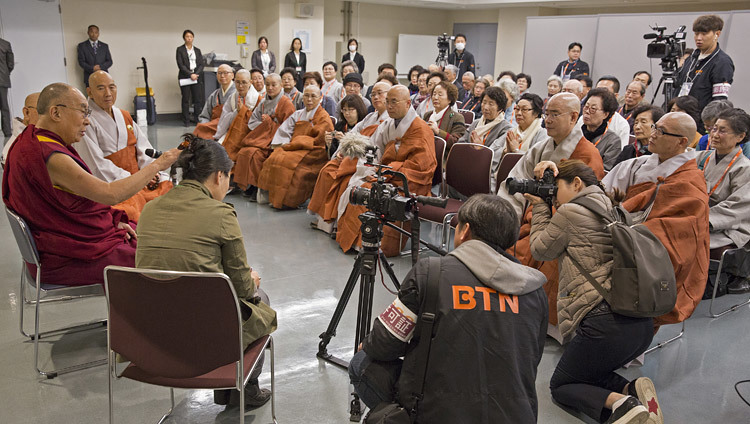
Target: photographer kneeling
604,341
191,229
487,338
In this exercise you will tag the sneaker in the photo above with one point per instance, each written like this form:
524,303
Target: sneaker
643,388
630,412
255,397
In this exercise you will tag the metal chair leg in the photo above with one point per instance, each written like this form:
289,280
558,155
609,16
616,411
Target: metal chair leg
664,343
171,398
273,382
713,296
446,230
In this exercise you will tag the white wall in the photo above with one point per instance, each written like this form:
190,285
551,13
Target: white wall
150,29
288,23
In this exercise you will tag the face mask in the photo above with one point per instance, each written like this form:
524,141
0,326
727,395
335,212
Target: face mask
460,46
352,48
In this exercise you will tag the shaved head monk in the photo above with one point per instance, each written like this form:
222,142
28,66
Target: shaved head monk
289,174
208,120
679,216
406,143
334,177
565,140
238,103
47,183
30,117
114,147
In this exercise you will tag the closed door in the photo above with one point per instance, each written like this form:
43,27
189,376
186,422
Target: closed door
482,43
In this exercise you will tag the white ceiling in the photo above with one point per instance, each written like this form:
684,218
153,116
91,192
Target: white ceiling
487,4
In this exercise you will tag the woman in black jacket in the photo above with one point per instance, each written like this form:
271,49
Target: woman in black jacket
297,60
263,58
190,63
354,55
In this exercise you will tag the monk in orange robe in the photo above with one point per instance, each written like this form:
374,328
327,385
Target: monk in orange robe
679,217
408,146
565,141
236,115
266,119
289,174
45,182
334,177
114,147
208,120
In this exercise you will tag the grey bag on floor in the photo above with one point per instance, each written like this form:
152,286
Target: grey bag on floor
643,281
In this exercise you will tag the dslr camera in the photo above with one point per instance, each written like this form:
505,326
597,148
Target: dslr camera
544,188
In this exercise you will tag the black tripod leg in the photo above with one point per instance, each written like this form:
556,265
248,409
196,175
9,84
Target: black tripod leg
389,270
339,312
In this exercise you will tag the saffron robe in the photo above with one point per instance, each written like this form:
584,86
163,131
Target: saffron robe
229,113
238,129
76,237
333,179
410,149
679,218
208,120
255,148
290,172
115,149
730,201
574,146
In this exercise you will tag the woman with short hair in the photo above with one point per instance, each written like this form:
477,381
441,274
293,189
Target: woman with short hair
600,106
644,117
190,64
352,110
263,58
445,122
474,103
353,55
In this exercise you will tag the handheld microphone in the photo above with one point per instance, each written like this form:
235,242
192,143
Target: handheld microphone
432,201
153,153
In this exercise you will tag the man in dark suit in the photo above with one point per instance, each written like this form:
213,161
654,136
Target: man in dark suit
6,66
93,55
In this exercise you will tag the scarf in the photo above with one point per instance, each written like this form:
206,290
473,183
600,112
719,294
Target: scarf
528,134
593,135
437,116
483,127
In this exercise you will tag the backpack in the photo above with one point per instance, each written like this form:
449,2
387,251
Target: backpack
643,281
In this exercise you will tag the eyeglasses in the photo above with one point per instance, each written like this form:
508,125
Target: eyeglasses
554,115
86,112
658,132
522,109
718,130
591,109
224,73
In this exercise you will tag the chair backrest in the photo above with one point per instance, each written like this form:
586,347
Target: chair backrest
173,324
468,116
506,165
468,168
24,239
437,177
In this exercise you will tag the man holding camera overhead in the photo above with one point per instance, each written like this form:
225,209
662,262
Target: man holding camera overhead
708,73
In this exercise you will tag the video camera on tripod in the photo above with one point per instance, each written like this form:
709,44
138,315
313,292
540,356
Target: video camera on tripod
443,45
669,48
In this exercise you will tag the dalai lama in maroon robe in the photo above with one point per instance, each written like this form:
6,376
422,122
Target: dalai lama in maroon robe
68,210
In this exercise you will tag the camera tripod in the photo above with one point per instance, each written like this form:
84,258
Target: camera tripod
667,78
365,267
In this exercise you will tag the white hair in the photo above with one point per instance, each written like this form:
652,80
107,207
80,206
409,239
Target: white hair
452,68
242,72
509,87
555,78
469,73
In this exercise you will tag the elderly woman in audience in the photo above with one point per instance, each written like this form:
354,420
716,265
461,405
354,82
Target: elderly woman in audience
689,105
644,117
413,79
474,103
432,80
263,58
491,127
597,112
708,116
511,93
422,94
524,82
529,131
314,78
445,122
352,110
554,86
347,67
727,173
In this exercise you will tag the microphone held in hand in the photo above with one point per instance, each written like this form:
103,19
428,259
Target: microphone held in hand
153,153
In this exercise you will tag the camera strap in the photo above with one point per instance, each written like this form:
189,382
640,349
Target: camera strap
427,320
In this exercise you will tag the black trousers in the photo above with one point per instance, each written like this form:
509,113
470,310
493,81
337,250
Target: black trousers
192,92
585,375
5,112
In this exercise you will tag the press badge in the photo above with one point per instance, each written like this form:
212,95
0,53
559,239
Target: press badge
399,320
685,89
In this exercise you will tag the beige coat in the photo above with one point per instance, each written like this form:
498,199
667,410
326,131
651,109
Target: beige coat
576,232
